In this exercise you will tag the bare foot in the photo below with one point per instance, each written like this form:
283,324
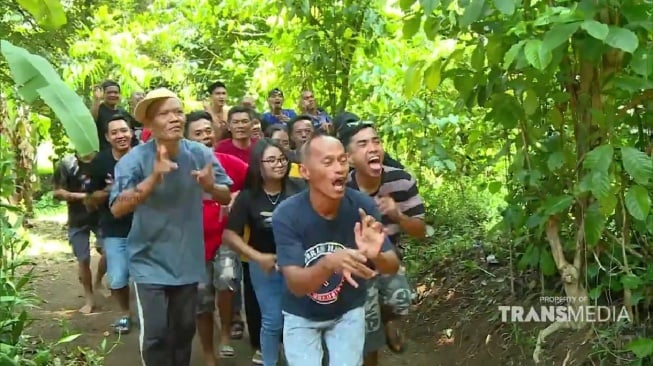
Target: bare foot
86,309
101,289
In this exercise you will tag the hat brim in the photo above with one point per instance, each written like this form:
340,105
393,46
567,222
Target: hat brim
142,106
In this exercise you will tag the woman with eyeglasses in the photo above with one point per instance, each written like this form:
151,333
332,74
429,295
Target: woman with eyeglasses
279,134
267,185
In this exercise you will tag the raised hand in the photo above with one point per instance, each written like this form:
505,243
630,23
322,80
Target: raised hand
98,93
204,177
369,235
388,207
162,162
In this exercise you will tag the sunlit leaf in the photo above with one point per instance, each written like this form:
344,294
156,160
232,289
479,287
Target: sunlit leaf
600,158
638,202
472,13
642,61
637,164
429,5
48,13
641,347
623,39
432,75
559,34
507,7
596,29
537,55
411,26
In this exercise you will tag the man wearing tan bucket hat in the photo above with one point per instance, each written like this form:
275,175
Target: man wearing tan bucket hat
163,182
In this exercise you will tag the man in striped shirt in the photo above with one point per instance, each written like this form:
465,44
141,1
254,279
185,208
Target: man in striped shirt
395,192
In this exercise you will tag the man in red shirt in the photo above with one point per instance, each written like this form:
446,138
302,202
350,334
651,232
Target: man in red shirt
240,120
199,128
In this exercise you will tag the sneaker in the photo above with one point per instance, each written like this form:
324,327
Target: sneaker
257,359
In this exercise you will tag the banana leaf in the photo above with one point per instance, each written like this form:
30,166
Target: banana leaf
36,78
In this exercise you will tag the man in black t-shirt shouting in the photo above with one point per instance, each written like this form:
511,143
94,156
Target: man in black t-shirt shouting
113,230
70,180
325,236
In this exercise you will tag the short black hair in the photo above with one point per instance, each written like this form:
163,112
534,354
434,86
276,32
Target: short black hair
342,119
117,117
215,85
349,125
274,128
301,117
275,91
109,83
240,109
195,116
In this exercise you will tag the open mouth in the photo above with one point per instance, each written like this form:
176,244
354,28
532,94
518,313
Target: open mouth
374,162
121,141
339,184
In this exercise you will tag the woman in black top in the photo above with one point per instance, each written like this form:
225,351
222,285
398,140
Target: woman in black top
267,185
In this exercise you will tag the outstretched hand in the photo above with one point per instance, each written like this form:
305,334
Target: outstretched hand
204,177
369,235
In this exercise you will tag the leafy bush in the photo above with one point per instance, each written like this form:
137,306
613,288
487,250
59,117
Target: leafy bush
16,275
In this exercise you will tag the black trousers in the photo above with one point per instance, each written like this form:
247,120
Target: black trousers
167,317
252,309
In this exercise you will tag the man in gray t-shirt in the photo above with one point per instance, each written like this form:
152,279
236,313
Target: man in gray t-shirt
163,182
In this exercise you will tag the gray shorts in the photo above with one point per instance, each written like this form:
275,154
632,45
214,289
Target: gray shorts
80,240
206,291
227,270
390,290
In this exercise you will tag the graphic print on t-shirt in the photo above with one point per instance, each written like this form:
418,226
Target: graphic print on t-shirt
330,290
266,218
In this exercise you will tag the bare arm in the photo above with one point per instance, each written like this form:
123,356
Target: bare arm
236,242
302,281
413,226
127,201
386,262
68,196
221,194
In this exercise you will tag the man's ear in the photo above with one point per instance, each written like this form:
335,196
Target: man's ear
304,172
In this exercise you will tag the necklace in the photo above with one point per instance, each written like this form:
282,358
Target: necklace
275,200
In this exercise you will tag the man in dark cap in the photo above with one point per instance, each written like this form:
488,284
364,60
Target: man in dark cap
276,114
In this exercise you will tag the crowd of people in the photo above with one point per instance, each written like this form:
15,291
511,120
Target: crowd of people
290,221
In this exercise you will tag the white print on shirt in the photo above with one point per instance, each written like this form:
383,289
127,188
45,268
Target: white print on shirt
331,288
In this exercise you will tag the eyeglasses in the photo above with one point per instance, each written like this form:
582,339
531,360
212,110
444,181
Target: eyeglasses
282,160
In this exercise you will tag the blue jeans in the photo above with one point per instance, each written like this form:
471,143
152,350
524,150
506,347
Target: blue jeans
344,338
115,250
268,288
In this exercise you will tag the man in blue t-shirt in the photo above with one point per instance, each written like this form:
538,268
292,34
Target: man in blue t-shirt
163,182
326,236
277,114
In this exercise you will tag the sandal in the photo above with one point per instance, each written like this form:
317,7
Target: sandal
237,329
394,339
226,351
122,326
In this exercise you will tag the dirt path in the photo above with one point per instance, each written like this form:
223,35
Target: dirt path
61,296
